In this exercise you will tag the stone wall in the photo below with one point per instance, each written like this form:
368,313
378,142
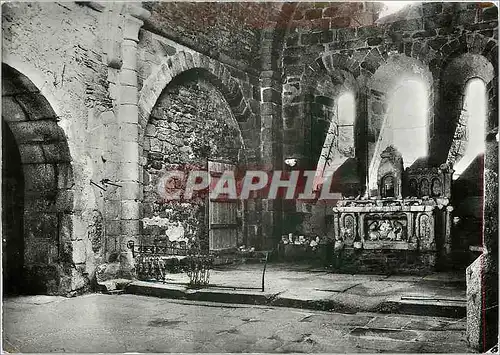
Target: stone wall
92,75
228,32
418,42
61,65
84,64
190,124
318,44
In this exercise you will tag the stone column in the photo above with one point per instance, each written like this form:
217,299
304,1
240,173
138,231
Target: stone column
361,227
271,152
447,230
361,138
128,118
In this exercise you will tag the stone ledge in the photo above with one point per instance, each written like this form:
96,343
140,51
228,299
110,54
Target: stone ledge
393,245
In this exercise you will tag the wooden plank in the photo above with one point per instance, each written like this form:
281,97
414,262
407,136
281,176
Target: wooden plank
222,213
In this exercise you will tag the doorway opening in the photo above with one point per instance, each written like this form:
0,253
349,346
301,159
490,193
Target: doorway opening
12,214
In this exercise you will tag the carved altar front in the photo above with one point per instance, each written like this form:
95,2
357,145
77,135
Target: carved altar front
387,224
408,218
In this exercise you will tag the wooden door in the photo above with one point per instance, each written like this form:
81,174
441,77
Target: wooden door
222,212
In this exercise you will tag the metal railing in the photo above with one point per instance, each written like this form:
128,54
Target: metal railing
155,262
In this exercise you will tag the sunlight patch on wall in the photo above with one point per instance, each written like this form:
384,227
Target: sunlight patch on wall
475,109
391,7
407,121
339,142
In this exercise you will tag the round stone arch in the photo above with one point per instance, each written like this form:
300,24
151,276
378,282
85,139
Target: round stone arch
47,178
221,78
438,54
191,127
386,80
320,89
459,71
381,87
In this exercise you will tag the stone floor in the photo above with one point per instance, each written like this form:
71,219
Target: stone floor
287,284
130,323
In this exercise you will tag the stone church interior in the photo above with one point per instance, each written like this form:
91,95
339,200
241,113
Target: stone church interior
398,110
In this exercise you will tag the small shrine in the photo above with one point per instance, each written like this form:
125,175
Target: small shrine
407,223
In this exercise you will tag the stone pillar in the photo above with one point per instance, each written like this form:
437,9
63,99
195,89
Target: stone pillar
482,274
361,137
447,230
271,153
128,118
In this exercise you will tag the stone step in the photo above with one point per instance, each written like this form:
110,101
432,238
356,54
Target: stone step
414,305
114,292
115,286
427,306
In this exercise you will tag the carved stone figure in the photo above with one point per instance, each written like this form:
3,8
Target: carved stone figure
424,188
424,226
384,229
389,173
436,188
349,229
399,231
413,188
373,233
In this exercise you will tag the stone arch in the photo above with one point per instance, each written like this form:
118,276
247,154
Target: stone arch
35,77
209,79
184,61
459,70
191,124
382,86
47,227
319,86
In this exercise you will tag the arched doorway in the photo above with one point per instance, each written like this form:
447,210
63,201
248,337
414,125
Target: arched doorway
12,213
191,128
37,191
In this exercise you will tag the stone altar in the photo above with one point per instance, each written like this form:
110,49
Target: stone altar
388,224
402,222
399,227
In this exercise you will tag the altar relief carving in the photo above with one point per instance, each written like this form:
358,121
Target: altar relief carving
388,223
428,181
403,215
387,227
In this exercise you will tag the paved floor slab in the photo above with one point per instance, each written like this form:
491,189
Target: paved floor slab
304,287
130,323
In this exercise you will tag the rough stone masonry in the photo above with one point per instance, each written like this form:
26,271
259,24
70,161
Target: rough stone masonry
99,98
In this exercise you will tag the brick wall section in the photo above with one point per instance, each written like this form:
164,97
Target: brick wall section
190,123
